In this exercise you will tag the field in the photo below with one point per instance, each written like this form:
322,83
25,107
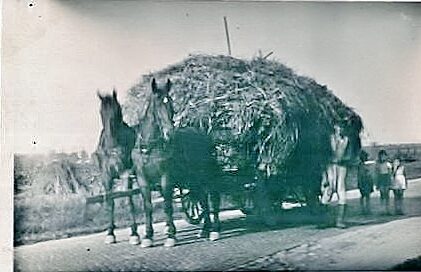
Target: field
47,217
48,206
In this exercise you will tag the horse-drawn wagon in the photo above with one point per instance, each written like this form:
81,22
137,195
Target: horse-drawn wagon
252,130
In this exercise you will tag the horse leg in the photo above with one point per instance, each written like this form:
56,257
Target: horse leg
147,241
204,233
110,238
167,192
215,198
134,237
367,204
362,204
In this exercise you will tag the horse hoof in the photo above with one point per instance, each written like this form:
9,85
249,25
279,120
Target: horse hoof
213,235
203,234
170,242
134,240
110,239
166,229
340,226
146,243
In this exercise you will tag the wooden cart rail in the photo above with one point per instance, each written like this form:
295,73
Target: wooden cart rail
190,206
119,194
113,195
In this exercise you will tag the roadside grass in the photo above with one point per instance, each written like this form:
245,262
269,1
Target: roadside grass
46,217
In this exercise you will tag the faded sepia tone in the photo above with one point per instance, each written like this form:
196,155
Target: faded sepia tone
60,60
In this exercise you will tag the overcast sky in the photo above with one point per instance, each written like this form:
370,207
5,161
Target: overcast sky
56,54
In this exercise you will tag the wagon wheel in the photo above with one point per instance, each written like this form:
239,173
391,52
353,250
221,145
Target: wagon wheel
191,206
248,205
248,201
255,201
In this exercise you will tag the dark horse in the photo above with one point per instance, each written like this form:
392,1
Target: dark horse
113,156
165,157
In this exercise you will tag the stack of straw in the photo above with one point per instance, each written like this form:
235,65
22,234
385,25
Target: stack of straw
259,112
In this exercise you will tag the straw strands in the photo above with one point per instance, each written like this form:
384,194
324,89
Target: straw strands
259,112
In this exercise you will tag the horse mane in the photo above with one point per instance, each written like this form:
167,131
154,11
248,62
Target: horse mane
146,107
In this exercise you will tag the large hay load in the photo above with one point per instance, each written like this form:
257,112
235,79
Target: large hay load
266,120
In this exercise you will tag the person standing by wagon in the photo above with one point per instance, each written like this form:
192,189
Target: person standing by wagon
384,174
334,181
399,184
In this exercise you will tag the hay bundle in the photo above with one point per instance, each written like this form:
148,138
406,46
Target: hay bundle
57,177
259,112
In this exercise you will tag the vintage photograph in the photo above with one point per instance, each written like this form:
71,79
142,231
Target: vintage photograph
212,135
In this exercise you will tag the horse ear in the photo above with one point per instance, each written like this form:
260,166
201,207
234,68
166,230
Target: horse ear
114,94
169,83
153,85
99,95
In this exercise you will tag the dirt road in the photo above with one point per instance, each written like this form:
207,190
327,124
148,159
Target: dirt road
378,247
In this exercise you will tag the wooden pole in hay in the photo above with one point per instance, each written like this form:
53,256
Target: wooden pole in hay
268,55
228,36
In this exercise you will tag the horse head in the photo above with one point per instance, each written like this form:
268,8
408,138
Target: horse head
111,115
160,112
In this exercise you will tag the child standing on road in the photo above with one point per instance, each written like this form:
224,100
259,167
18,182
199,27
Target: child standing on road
383,171
399,184
365,182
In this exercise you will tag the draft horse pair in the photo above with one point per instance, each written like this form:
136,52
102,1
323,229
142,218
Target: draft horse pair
158,154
